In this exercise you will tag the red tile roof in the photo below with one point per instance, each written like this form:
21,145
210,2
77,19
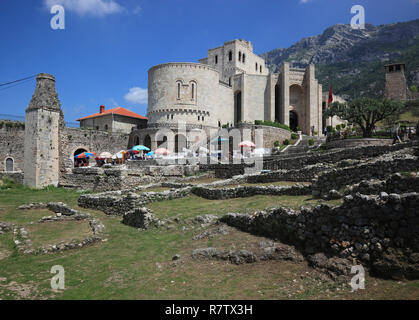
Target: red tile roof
119,111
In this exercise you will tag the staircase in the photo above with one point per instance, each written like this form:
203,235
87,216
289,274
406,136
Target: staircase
303,146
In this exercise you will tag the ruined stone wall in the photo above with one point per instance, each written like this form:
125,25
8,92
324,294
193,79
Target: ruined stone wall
380,168
380,233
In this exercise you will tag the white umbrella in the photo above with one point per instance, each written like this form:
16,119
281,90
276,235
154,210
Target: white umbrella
105,155
118,155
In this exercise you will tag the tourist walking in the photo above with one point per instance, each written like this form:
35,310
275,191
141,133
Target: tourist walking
396,130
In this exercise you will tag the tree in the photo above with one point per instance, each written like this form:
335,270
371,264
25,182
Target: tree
365,112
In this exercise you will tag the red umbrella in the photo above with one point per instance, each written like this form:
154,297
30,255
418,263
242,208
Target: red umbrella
248,144
162,151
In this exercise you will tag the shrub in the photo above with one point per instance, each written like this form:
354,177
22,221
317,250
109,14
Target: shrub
343,125
286,142
272,124
276,144
330,129
338,127
311,142
294,136
298,128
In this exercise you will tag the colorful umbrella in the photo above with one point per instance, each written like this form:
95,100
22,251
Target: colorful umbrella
247,144
140,148
151,153
85,155
162,151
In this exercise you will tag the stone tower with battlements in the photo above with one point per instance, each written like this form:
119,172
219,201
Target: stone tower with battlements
42,131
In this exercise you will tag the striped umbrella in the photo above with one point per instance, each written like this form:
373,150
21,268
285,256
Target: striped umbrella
85,155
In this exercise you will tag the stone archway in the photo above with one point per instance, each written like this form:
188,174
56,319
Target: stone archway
81,162
147,141
293,120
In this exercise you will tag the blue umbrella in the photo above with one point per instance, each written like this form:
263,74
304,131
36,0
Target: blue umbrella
140,148
220,140
151,153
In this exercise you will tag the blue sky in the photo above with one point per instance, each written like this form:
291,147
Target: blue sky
103,54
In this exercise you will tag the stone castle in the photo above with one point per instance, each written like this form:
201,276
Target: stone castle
232,86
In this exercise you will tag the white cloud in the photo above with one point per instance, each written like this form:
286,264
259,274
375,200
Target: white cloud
137,95
88,7
137,10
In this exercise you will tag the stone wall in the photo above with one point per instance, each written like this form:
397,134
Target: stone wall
90,140
352,143
12,137
117,203
380,168
244,192
15,176
380,233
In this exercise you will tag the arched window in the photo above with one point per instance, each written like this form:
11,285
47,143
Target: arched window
219,124
240,56
203,118
199,118
9,164
194,88
230,55
229,81
178,90
106,127
244,58
216,59
260,69
256,66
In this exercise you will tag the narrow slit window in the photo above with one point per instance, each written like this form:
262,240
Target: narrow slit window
178,90
256,66
193,90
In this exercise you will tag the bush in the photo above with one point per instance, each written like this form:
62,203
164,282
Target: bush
311,142
343,125
294,136
338,127
286,142
330,129
298,128
276,144
272,124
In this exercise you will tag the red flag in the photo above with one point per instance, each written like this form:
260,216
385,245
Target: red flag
330,96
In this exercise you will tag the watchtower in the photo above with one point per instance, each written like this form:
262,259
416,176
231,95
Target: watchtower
396,87
41,150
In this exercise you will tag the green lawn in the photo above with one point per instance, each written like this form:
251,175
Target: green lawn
134,264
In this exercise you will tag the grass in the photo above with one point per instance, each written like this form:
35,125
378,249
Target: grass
138,265
192,205
50,233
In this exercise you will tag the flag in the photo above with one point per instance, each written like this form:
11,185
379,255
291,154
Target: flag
330,96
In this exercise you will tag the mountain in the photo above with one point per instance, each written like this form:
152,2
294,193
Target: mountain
352,60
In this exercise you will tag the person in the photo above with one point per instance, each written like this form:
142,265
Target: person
396,129
325,131
312,130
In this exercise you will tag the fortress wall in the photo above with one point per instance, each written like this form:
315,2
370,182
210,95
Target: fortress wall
12,139
90,140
